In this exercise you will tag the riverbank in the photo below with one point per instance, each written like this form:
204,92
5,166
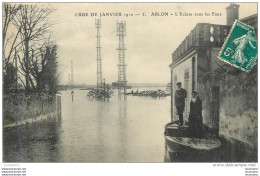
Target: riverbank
30,120
31,142
19,106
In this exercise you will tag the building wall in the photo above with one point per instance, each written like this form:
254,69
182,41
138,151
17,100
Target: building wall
237,100
204,60
205,65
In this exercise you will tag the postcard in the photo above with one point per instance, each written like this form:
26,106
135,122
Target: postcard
129,83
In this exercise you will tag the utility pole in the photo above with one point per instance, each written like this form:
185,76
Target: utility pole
122,83
72,80
99,63
69,83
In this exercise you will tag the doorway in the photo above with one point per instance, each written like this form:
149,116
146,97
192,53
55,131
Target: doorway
186,87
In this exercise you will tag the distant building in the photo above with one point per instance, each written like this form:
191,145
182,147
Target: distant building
229,96
115,85
62,87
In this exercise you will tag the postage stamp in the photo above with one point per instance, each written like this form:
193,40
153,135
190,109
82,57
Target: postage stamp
240,47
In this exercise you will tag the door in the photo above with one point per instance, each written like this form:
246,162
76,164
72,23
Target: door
186,87
174,86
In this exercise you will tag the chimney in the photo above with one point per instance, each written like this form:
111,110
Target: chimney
232,13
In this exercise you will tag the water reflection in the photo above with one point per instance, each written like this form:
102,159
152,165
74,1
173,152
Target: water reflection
123,130
34,142
91,131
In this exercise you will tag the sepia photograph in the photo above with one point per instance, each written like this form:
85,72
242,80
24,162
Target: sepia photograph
129,82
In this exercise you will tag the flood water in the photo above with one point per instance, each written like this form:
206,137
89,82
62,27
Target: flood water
94,131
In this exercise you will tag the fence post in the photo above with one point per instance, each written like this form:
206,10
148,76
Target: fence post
58,106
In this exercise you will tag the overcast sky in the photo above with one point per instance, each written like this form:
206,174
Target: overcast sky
150,40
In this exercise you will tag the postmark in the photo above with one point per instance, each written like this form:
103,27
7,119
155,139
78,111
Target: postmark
240,47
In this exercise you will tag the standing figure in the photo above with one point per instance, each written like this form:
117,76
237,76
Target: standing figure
195,117
179,97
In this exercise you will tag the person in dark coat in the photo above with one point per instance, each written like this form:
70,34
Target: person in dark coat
195,117
179,97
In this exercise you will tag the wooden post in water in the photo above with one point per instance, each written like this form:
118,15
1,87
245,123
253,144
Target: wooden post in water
104,89
72,93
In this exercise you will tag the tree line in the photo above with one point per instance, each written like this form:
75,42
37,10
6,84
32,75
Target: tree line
29,51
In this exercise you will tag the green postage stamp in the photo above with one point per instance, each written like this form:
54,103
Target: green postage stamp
240,47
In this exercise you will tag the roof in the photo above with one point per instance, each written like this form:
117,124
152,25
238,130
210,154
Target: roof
251,20
204,34
207,35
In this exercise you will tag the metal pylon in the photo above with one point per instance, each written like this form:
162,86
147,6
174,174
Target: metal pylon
122,82
99,63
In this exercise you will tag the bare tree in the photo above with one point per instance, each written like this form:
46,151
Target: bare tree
33,23
10,45
8,17
44,68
